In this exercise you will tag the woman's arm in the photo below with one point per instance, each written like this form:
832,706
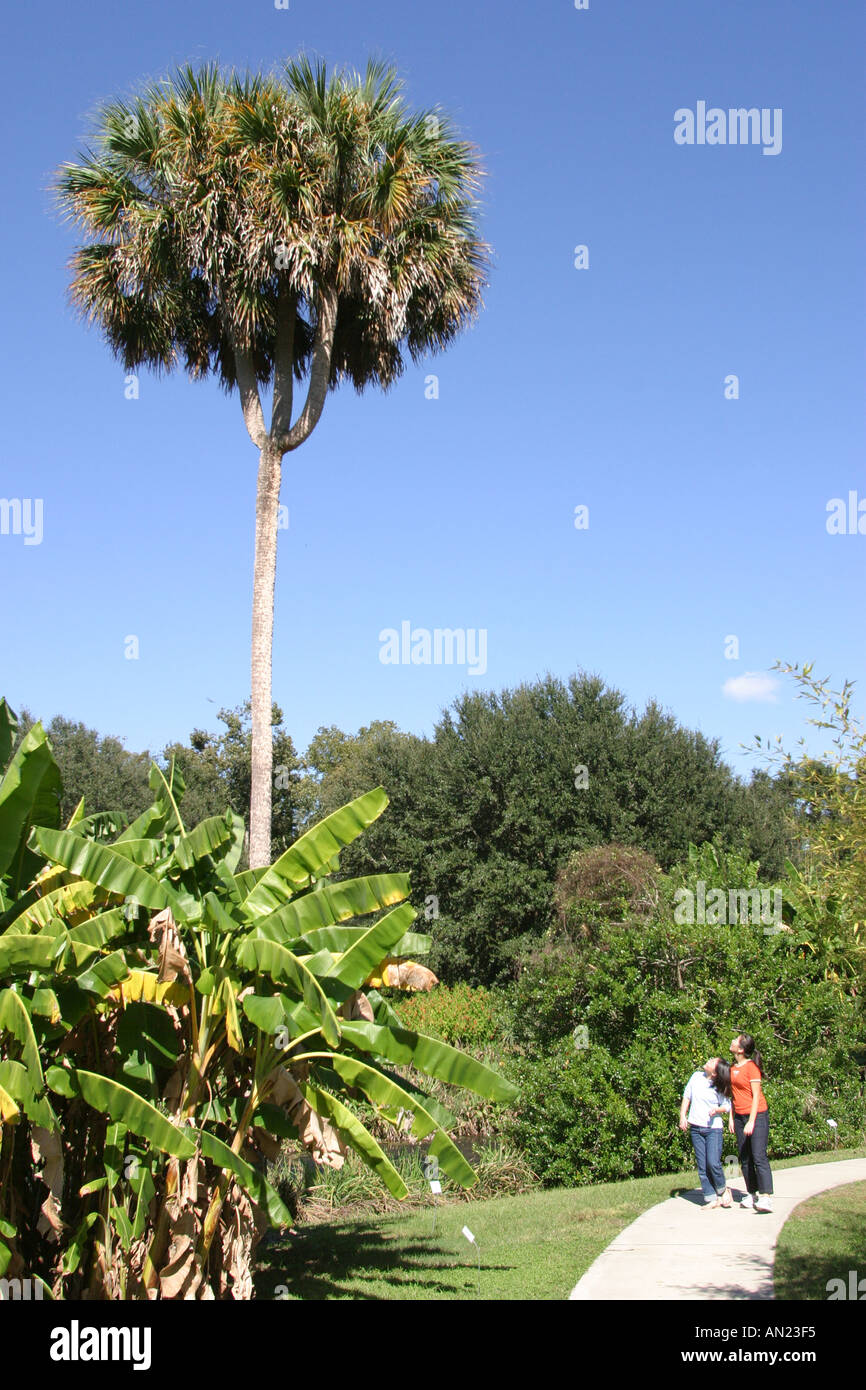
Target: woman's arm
684,1108
756,1096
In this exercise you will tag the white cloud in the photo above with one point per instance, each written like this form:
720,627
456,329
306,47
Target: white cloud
754,685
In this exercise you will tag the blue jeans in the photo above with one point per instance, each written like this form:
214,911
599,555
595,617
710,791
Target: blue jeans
707,1143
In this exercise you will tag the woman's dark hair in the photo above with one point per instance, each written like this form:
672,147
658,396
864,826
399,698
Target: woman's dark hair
747,1043
722,1078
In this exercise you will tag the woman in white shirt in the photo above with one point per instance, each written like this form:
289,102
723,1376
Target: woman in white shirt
704,1101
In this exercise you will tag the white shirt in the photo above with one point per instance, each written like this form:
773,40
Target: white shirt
703,1097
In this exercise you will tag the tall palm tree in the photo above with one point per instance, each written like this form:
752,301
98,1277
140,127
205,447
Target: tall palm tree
273,230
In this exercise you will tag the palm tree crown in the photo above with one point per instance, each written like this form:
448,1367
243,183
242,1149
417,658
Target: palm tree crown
208,195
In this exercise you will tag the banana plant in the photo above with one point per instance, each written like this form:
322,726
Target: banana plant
166,1019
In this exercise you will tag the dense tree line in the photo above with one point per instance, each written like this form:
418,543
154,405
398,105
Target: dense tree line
485,812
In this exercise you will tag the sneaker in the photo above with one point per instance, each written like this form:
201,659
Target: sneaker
764,1202
748,1202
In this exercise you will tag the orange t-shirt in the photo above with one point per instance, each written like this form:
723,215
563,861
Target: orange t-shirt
741,1079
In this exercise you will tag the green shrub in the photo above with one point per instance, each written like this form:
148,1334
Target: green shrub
456,1014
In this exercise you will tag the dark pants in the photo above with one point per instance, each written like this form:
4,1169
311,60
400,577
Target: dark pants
707,1144
752,1149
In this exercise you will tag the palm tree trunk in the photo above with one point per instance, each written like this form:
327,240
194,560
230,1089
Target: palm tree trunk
264,576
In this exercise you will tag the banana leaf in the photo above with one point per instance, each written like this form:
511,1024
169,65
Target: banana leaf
432,1057
148,825
103,974
247,881
310,915
35,909
17,1085
103,865
169,793
384,1091
365,954
106,926
15,1018
314,851
142,852
353,1132
269,958
20,954
126,1108
145,985
102,825
8,732
29,795
208,835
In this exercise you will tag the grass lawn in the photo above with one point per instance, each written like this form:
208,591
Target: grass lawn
533,1246
823,1239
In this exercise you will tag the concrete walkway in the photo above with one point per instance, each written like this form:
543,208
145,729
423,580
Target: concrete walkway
677,1250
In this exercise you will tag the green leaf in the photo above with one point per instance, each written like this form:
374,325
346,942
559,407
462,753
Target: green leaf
126,1108
15,1017
207,836
384,1091
169,793
9,1108
258,1188
141,852
231,855
275,1120
444,1118
122,1225
46,1003
367,953
102,825
103,974
216,916
267,1012
99,930
430,1056
62,1081
269,958
112,1154
72,1257
103,865
15,1082
148,825
313,916
316,850
32,911
25,953
146,1031
8,732
23,798
350,1128
247,881
414,943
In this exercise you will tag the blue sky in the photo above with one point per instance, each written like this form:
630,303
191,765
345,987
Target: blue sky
602,387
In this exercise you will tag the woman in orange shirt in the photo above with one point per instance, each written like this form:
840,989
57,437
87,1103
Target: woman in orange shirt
750,1122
